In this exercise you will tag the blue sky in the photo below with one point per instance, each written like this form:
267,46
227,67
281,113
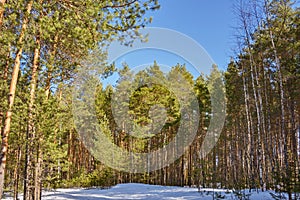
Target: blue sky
209,22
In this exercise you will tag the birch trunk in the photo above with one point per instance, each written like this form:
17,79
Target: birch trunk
282,98
260,150
249,153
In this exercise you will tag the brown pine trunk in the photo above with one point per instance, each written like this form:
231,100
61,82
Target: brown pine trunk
33,179
16,173
38,173
70,155
2,3
11,97
50,67
39,158
5,73
269,136
4,76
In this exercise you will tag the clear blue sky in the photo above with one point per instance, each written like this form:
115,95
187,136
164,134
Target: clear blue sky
209,22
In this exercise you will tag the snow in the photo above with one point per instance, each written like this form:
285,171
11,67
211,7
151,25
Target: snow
134,191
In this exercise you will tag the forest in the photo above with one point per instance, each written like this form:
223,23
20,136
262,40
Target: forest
42,46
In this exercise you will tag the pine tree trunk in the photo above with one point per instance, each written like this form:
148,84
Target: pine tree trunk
16,173
11,97
4,76
268,136
190,166
70,154
38,172
2,3
32,178
50,67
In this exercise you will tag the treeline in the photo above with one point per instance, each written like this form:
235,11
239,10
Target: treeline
259,144
263,93
41,44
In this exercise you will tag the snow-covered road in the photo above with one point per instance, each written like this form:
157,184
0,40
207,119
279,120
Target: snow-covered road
141,192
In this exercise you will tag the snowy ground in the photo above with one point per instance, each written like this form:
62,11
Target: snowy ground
143,192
